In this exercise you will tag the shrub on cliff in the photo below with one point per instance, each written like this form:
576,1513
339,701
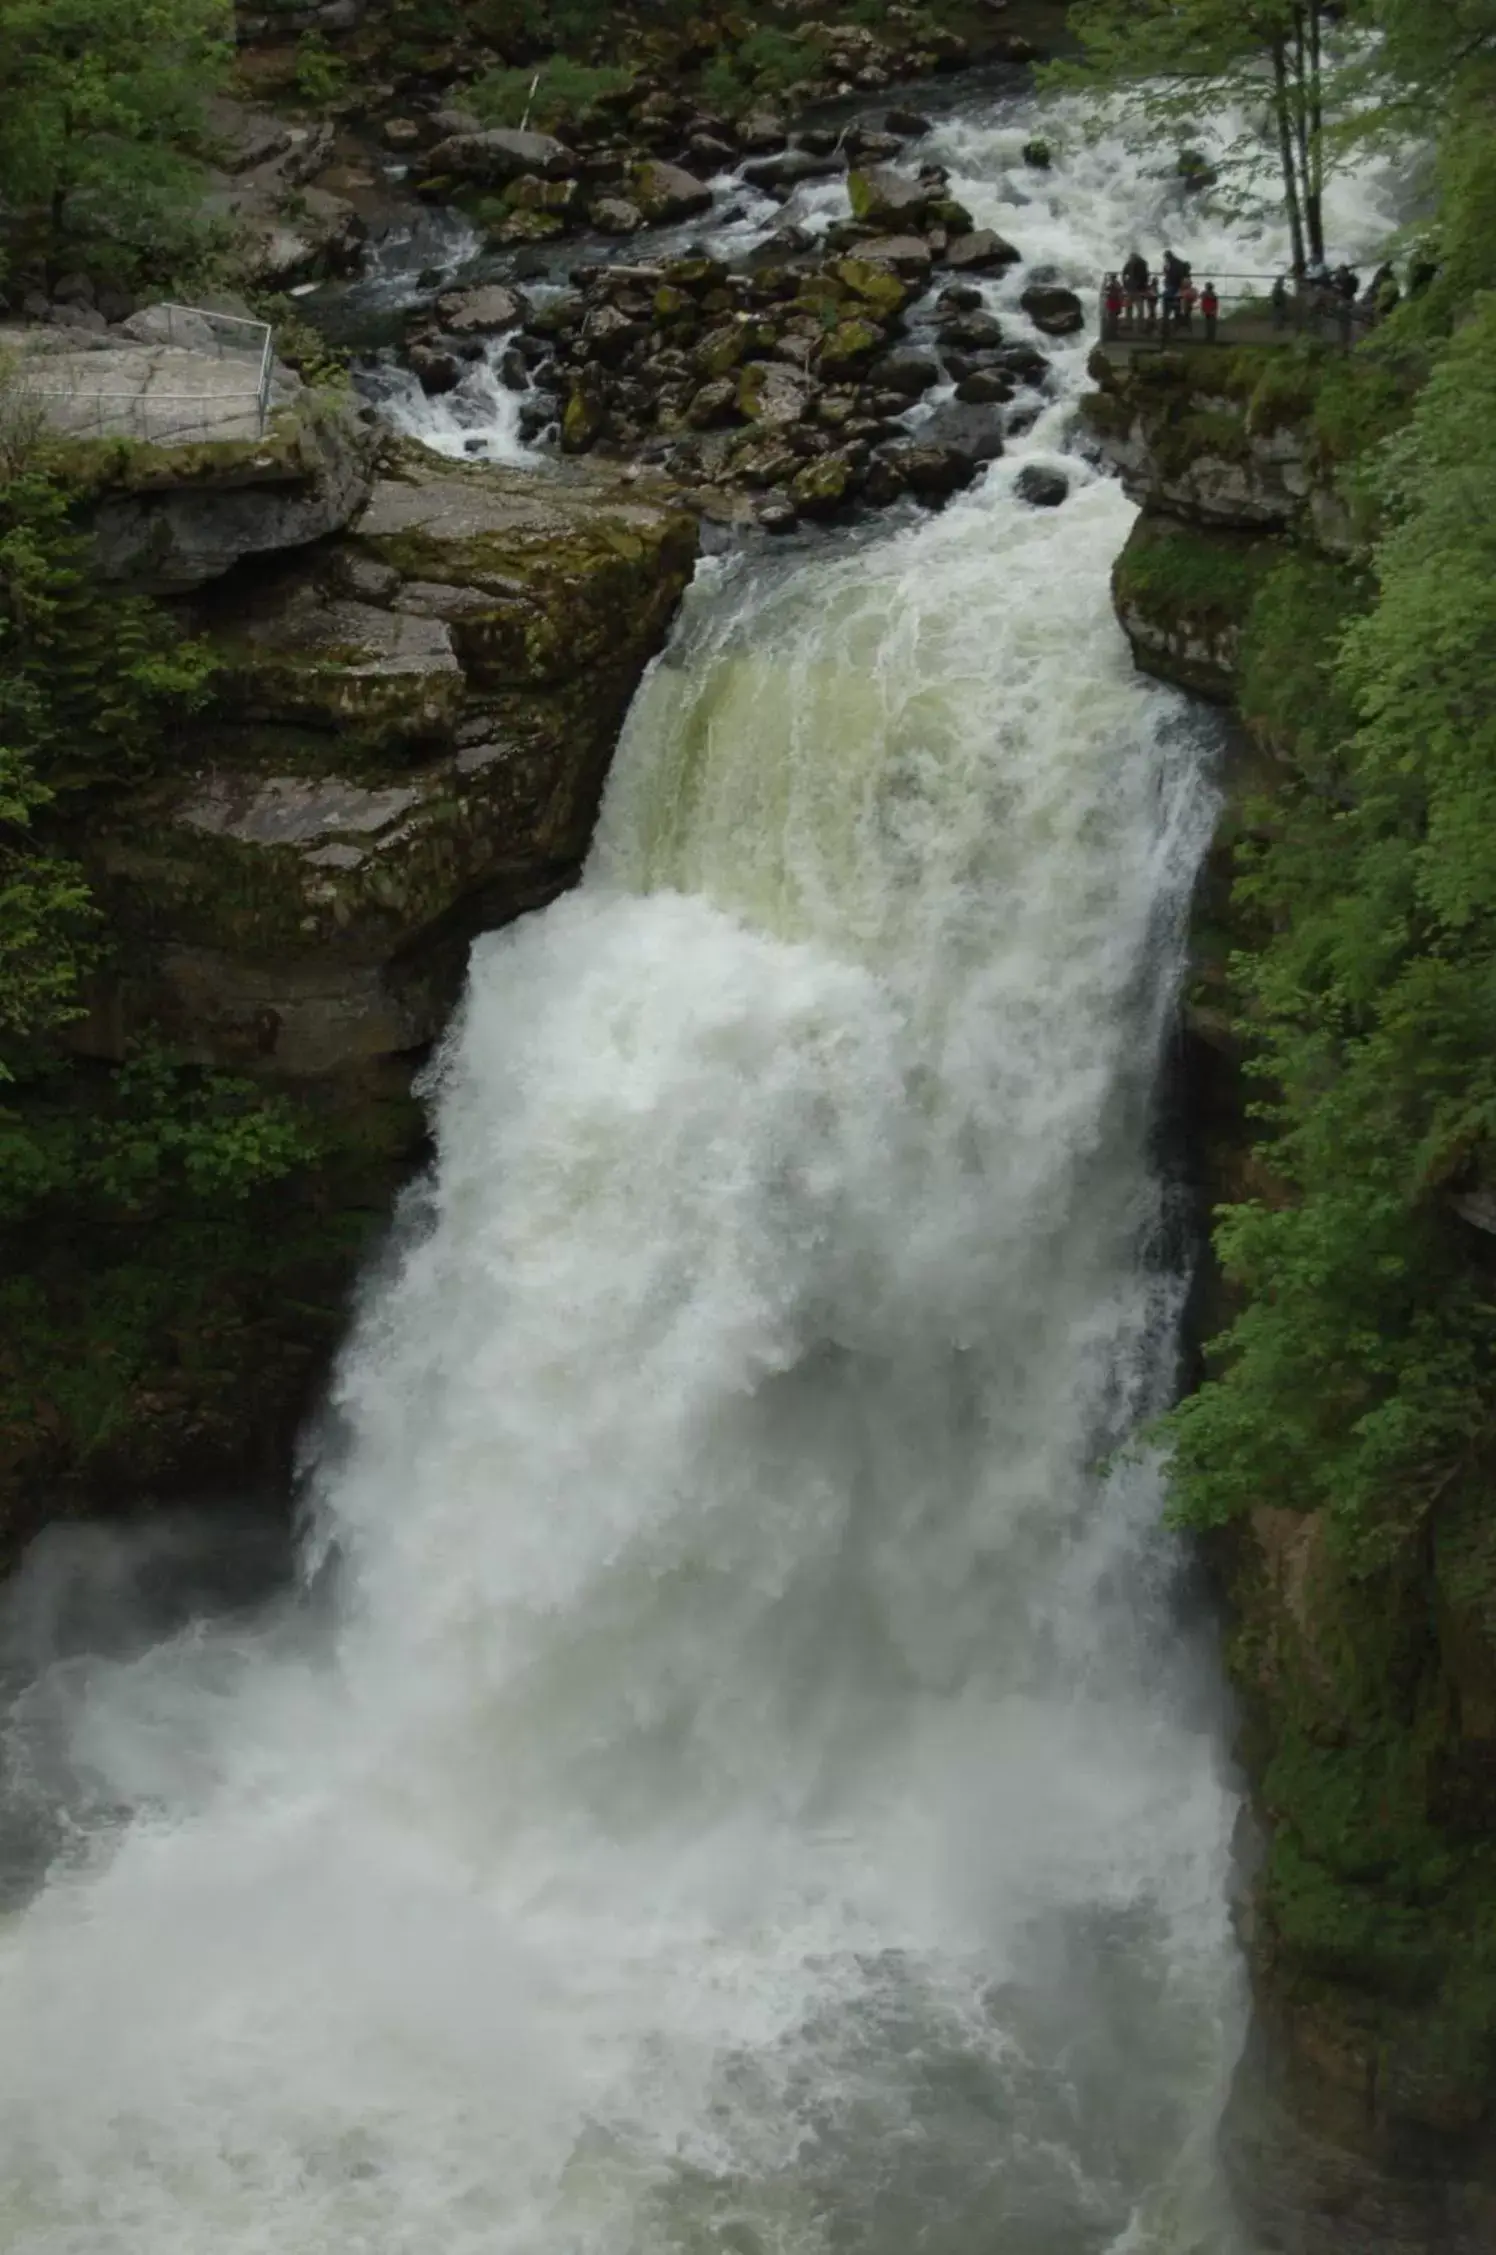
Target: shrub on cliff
1361,1372
121,1191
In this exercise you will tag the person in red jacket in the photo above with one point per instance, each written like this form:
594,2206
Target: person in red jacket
1113,298
1210,307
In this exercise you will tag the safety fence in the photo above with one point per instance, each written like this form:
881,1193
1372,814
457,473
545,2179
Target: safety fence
1249,309
185,374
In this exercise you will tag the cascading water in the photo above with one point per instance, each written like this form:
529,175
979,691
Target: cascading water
749,1787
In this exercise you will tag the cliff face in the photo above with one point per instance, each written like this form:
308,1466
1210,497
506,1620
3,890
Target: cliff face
1364,2116
412,721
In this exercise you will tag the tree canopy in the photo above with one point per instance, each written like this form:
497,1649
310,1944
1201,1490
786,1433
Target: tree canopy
101,104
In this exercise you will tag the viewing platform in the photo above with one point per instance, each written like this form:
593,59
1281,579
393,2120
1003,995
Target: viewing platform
1254,310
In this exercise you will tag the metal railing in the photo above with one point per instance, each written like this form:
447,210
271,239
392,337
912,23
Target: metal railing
1252,309
165,407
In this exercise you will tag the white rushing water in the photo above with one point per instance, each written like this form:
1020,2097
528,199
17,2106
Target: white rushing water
743,1782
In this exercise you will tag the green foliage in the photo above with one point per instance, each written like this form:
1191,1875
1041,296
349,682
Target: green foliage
88,680
548,94
45,918
774,59
87,685
101,110
127,1182
320,74
1361,1373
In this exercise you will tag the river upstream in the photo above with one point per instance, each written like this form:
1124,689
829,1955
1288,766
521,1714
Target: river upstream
741,1773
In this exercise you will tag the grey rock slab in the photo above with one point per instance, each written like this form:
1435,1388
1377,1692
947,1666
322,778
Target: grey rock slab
480,312
499,155
293,810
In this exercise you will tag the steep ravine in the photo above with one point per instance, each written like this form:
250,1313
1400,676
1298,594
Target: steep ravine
741,1771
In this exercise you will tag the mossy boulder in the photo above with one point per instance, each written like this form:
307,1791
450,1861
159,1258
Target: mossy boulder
849,348
876,285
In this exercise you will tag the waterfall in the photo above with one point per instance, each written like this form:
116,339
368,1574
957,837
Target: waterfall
745,1779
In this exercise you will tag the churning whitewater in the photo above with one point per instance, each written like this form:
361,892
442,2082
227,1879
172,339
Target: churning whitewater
736,1778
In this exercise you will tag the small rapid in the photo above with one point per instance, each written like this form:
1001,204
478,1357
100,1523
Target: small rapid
741,1772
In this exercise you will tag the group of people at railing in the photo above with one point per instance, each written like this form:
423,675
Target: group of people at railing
1139,300
1139,304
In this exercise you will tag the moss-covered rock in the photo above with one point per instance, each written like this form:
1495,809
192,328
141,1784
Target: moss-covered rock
1184,596
409,742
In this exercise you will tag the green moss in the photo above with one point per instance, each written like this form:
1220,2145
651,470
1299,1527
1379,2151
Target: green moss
1176,574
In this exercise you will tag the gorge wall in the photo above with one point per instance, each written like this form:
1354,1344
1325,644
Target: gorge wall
1362,2118
421,669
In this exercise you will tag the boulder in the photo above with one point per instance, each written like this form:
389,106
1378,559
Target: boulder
985,387
909,125
1025,363
881,198
976,331
481,312
324,236
666,193
878,286
773,395
1037,154
974,432
906,254
981,252
1041,488
821,488
930,472
761,129
908,371
435,368
583,416
1054,312
172,519
497,155
714,405
778,175
848,348
615,215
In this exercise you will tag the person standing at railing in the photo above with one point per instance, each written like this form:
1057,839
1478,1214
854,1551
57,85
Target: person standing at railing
1210,311
1113,299
1175,275
1280,303
1135,286
1150,296
1189,298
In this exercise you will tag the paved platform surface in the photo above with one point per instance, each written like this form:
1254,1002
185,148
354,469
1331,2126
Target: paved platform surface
165,394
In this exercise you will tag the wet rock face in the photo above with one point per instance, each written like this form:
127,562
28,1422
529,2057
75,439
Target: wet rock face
1191,441
410,737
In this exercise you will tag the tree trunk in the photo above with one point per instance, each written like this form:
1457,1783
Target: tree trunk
1283,107
1314,186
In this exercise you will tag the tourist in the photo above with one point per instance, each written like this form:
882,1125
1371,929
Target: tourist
1280,303
1175,273
1135,285
1112,301
1189,298
1210,310
1150,296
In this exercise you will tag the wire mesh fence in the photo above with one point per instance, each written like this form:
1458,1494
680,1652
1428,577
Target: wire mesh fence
181,374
